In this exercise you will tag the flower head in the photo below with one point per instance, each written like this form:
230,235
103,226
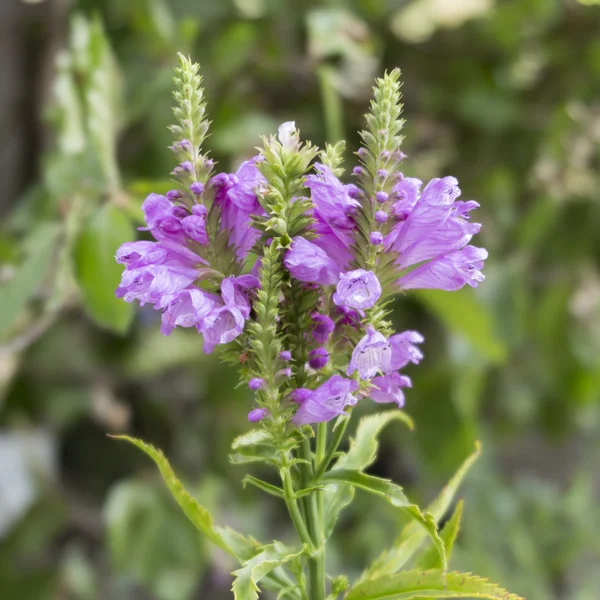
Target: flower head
372,354
357,289
326,402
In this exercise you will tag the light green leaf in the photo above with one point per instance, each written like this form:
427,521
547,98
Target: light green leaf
196,513
271,557
381,487
395,496
362,452
428,584
253,446
430,559
17,291
463,314
412,536
273,490
96,271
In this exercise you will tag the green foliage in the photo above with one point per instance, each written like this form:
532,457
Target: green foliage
413,535
30,276
255,569
196,513
428,584
96,271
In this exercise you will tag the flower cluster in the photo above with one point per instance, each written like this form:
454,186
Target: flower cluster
343,248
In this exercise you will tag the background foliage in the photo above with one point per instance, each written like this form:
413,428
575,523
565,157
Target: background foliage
503,94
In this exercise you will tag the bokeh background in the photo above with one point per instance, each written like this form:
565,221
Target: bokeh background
503,94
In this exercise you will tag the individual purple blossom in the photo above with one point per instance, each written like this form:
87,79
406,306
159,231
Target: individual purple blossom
318,358
376,238
357,289
195,228
186,309
174,195
372,354
256,383
221,326
309,263
326,402
450,272
257,414
388,388
285,355
197,188
199,210
187,166
300,395
324,327
236,292
331,199
404,349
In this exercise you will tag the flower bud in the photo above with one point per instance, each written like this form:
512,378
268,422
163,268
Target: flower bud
318,358
256,383
197,188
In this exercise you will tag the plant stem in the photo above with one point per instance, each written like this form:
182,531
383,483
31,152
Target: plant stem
323,464
292,505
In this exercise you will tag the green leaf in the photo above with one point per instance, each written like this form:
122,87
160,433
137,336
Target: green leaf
413,535
196,513
273,490
465,315
380,487
430,559
29,276
395,496
362,452
428,584
96,271
271,557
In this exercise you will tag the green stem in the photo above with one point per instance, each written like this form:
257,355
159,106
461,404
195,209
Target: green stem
292,505
324,463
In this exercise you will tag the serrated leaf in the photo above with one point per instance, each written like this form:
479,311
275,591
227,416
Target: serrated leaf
196,513
412,536
271,557
465,315
375,485
430,559
15,293
417,584
362,452
96,271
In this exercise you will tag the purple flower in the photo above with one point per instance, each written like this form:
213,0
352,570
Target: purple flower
221,326
195,228
332,200
376,238
186,309
357,289
301,395
197,188
371,355
326,402
449,272
323,329
155,284
381,196
256,383
388,388
309,263
381,216
285,355
404,349
318,358
257,414
236,292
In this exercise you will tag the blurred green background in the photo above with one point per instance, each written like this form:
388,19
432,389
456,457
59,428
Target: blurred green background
503,94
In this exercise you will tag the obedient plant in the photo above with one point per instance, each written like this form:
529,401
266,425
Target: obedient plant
293,271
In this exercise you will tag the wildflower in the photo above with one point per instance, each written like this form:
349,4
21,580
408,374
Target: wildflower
404,349
257,414
323,328
371,355
256,383
357,289
388,388
318,358
326,402
285,355
309,263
